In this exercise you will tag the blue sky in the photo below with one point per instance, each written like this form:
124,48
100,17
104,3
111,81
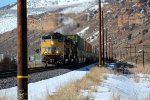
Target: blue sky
6,2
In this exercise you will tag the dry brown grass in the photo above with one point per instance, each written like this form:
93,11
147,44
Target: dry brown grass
7,64
139,69
115,97
148,97
71,91
3,97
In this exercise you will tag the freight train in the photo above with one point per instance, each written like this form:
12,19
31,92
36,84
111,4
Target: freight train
59,49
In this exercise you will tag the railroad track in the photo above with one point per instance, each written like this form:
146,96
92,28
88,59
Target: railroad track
30,71
39,75
8,74
13,73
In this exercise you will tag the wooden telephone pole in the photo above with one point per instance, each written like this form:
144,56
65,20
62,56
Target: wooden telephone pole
99,40
22,50
103,51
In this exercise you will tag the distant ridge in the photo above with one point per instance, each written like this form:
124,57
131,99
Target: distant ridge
8,6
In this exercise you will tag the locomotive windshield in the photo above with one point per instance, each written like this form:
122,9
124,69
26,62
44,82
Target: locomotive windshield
52,48
53,36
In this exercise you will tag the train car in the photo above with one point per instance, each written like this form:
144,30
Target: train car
80,46
58,49
52,48
84,49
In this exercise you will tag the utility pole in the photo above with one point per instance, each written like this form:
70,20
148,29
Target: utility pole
143,56
99,40
109,46
120,53
22,74
135,54
130,53
126,53
112,50
106,44
103,37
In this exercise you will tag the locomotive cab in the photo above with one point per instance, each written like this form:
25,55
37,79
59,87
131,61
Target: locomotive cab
52,48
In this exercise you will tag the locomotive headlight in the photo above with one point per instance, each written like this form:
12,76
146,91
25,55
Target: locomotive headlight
45,52
57,52
52,42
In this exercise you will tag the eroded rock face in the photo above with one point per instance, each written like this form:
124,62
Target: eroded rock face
130,18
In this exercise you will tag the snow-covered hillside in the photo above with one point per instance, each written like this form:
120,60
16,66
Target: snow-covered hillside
8,21
49,3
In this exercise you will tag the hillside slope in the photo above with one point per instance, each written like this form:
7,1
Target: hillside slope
127,23
40,23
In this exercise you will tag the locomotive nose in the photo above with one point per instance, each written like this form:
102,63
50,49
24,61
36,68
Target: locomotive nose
52,50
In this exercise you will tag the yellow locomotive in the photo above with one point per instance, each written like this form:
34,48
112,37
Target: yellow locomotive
59,49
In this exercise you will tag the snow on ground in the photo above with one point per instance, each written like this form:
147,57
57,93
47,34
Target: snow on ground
38,90
83,32
121,86
125,87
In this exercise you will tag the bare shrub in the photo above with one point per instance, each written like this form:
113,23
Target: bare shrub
139,69
7,64
69,92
